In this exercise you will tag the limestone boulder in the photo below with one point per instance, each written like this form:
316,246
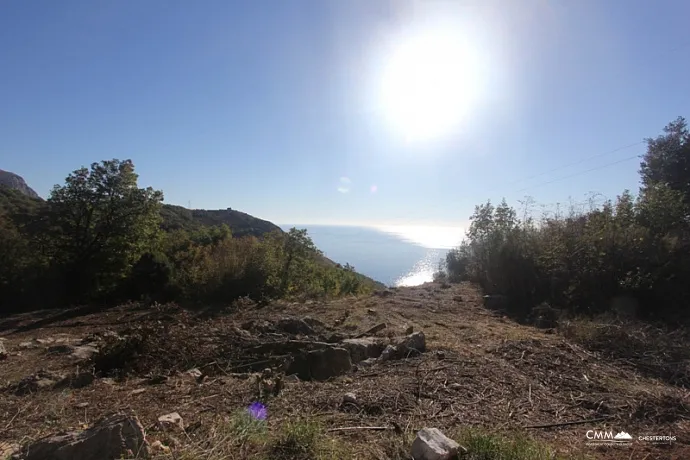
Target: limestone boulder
431,444
113,437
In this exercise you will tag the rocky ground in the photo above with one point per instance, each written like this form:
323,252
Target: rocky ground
372,371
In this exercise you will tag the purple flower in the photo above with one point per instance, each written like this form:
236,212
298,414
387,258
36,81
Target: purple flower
257,411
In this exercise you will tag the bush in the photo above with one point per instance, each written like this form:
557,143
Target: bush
581,262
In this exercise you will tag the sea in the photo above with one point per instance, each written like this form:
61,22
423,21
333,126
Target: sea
393,255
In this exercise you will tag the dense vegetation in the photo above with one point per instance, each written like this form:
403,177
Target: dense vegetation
581,260
101,238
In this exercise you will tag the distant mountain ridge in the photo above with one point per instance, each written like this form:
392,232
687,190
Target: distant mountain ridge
242,224
16,182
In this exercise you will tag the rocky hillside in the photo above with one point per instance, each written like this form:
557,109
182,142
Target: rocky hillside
354,378
16,182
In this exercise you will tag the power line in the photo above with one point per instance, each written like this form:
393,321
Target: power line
580,173
598,155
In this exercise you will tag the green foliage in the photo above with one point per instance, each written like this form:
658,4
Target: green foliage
101,225
580,262
485,446
667,161
99,237
241,224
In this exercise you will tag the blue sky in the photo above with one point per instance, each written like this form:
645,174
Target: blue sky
273,108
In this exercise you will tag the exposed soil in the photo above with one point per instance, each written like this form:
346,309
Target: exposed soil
479,368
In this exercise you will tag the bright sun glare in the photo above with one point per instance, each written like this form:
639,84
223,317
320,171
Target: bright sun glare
429,84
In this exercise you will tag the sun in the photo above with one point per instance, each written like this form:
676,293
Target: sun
429,84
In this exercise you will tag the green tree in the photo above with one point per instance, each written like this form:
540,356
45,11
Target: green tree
298,248
103,223
667,160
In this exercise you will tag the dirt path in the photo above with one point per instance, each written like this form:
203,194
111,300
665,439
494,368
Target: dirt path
480,369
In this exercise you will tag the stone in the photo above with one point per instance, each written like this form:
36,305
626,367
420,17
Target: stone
172,420
27,345
458,298
3,351
84,352
409,330
294,326
388,353
194,372
335,338
78,380
364,348
328,362
413,343
138,391
41,380
46,341
293,378
349,398
431,444
61,349
367,362
113,437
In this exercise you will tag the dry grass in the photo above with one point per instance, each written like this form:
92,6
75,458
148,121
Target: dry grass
481,372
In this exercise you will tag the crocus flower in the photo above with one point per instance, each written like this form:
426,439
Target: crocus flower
257,411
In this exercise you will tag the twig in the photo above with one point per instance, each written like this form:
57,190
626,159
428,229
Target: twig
352,428
575,422
19,411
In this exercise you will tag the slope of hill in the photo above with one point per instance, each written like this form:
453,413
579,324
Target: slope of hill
478,371
16,182
241,224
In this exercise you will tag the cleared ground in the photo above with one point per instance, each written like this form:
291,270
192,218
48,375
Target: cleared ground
480,370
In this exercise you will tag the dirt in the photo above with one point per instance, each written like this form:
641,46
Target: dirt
479,369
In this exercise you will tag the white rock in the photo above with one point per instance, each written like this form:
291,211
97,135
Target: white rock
431,444
84,351
3,352
349,398
171,420
194,372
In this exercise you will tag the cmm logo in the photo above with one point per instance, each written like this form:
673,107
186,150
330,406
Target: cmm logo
596,435
607,437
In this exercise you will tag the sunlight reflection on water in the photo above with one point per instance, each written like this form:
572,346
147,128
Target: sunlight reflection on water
437,239
423,271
